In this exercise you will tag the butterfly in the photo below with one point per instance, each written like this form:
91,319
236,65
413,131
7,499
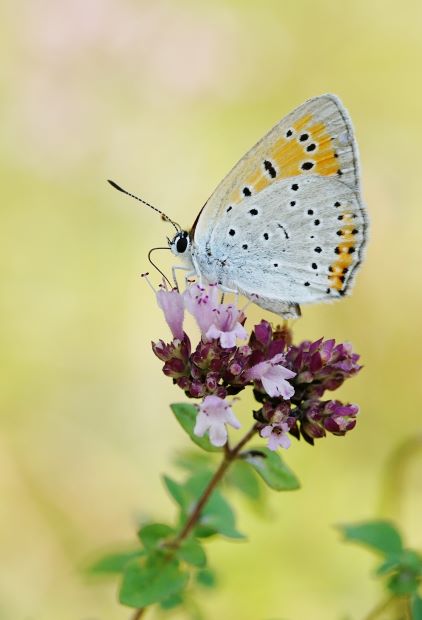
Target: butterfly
287,225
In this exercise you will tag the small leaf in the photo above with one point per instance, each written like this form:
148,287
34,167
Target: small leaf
114,562
391,563
206,578
272,469
404,582
219,516
411,560
177,491
380,536
416,606
186,416
192,460
143,584
243,478
172,601
203,531
153,533
192,552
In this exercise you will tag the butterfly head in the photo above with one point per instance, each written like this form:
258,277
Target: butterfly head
180,244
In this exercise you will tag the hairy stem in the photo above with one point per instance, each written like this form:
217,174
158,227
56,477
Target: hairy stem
230,455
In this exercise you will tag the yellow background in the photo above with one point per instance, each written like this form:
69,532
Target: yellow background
164,97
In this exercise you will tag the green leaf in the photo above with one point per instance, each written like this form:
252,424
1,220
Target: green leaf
153,533
380,536
404,582
192,552
172,601
114,562
242,477
411,560
391,564
186,416
416,607
206,578
219,516
272,469
144,584
204,531
193,460
405,560
177,491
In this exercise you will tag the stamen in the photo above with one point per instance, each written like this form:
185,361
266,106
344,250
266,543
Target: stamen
146,278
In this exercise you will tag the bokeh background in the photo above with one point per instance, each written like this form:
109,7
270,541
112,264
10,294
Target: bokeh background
164,97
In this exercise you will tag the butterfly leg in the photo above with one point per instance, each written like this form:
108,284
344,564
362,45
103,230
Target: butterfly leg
225,289
189,274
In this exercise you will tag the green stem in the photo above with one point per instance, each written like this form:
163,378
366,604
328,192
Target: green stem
230,454
229,457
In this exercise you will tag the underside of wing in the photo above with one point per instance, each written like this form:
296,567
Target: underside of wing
315,139
298,241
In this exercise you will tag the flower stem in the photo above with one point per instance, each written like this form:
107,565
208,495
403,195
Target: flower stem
230,455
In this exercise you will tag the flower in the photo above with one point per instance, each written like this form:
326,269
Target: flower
201,301
215,320
226,326
288,380
273,377
171,303
277,435
321,365
214,413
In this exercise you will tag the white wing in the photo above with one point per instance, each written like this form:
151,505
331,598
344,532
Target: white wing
313,149
298,241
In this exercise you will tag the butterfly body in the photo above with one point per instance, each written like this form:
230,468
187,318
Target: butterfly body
287,225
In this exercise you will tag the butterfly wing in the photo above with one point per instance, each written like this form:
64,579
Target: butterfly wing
312,148
298,241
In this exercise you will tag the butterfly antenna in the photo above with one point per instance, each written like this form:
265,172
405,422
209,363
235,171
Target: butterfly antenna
157,268
163,215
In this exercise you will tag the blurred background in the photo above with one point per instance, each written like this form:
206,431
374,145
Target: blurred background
164,97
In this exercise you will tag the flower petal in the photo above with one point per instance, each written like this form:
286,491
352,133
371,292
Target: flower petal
202,424
218,435
231,418
172,305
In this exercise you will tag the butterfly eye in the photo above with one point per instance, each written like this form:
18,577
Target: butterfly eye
181,244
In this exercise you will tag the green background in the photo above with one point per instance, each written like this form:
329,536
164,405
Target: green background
164,97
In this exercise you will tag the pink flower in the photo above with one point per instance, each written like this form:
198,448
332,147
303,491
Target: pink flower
171,303
277,435
273,377
214,413
215,320
226,326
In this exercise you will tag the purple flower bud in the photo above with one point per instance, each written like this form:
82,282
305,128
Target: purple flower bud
174,368
197,390
211,381
311,429
235,369
263,333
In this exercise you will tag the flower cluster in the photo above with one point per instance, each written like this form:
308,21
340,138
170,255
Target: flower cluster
288,381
